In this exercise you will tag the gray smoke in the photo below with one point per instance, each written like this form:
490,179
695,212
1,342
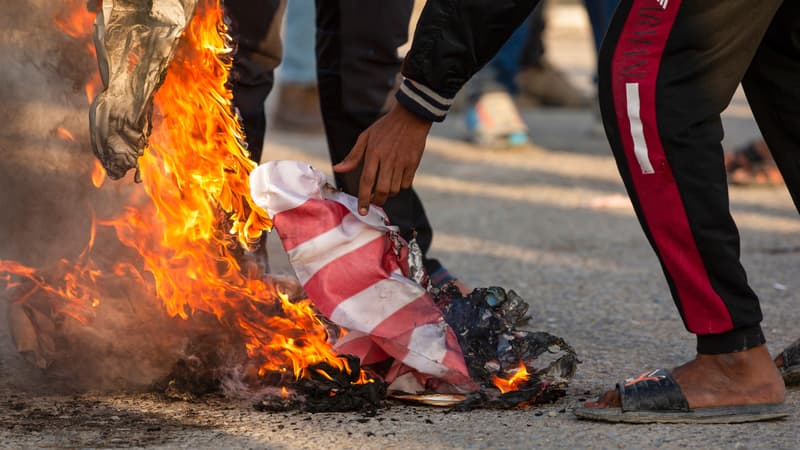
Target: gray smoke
46,199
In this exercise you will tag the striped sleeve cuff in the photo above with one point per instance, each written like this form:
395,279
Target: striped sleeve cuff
423,101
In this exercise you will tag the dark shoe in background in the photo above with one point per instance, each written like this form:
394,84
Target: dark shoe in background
545,85
752,165
297,108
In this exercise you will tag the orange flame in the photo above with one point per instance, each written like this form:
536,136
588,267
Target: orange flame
65,134
75,292
77,22
513,383
75,19
195,173
98,174
93,87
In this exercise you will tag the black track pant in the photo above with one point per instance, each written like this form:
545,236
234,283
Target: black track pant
357,69
668,68
256,28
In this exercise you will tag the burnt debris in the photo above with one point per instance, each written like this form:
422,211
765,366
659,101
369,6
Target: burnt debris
486,322
328,389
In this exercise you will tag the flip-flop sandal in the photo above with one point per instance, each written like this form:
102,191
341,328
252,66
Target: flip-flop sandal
655,397
791,364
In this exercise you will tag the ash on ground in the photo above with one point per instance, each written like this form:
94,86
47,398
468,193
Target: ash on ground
216,363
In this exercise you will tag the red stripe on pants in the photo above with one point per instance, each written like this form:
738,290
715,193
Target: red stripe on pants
637,58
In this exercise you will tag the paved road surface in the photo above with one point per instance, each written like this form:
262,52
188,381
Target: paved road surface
519,219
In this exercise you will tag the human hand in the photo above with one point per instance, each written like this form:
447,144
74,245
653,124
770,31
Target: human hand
391,150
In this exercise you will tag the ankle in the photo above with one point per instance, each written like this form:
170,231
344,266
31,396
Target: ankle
753,367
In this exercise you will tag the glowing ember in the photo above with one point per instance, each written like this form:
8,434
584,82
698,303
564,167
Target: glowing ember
199,215
63,133
513,383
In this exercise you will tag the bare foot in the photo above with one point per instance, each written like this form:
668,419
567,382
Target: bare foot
742,378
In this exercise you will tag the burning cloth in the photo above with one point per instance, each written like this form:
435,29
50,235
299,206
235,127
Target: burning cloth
135,41
354,269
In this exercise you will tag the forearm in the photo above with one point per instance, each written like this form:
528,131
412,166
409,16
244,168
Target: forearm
453,40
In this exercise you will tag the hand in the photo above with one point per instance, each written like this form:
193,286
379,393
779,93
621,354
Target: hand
391,150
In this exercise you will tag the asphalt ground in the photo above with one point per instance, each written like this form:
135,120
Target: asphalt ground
546,221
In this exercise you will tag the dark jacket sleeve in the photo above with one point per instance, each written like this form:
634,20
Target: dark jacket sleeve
453,40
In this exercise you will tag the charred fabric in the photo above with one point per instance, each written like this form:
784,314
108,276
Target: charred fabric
487,324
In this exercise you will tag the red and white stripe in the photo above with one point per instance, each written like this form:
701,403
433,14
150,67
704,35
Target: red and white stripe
635,68
353,271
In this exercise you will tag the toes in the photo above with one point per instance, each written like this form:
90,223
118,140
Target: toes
609,399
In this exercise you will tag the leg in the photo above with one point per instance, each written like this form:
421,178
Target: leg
666,74
297,103
773,91
506,62
533,50
256,28
600,13
492,118
357,67
539,81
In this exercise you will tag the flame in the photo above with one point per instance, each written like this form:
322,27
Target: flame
513,383
76,21
98,174
195,168
65,134
73,287
93,87
195,174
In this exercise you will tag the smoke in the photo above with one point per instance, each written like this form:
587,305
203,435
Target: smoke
47,200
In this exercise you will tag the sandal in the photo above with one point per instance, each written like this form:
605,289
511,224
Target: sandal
752,165
655,397
789,364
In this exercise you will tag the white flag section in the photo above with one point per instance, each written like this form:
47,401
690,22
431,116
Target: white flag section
353,269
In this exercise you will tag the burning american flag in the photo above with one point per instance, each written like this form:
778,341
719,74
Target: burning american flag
186,226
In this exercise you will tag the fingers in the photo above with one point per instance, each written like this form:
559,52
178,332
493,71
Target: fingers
397,182
407,179
353,159
384,186
366,184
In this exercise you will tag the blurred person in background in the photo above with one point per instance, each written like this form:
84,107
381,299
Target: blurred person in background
296,107
521,74
752,165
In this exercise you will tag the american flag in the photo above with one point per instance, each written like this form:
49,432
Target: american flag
353,269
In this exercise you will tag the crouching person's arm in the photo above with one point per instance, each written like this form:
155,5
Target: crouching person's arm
453,40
